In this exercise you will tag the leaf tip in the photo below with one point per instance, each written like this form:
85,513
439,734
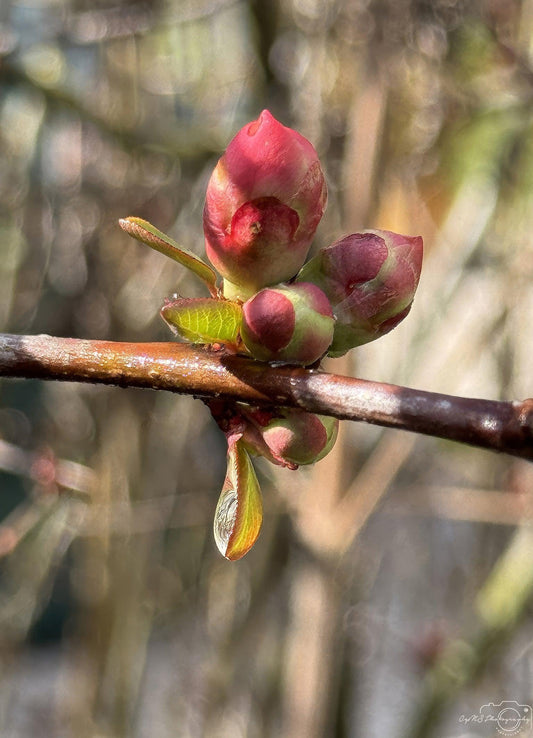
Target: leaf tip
126,224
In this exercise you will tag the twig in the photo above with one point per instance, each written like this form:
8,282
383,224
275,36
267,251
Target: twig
44,469
183,145
204,372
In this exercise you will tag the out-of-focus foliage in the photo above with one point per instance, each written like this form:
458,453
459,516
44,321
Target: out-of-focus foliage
370,565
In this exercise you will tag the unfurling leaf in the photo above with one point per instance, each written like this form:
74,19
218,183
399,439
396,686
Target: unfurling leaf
204,319
146,233
239,510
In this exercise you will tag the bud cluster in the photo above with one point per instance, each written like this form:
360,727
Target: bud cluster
264,201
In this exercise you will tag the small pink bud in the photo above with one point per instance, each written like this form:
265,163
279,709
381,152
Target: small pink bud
263,204
290,437
291,323
370,279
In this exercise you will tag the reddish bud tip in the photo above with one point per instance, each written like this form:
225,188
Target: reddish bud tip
269,320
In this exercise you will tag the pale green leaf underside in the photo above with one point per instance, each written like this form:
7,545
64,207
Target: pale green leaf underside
204,320
239,511
146,233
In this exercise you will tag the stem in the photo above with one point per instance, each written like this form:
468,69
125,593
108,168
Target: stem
207,373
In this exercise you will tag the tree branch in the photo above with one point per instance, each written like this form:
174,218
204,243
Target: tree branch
204,372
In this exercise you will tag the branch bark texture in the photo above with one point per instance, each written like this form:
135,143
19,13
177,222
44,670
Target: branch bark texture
203,372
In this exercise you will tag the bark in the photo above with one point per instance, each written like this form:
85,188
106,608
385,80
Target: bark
206,372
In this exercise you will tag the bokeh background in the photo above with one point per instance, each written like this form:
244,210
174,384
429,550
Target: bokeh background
388,594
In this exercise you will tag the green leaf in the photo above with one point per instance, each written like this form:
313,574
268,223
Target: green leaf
239,512
204,319
146,233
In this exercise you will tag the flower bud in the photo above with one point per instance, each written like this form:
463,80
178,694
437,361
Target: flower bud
291,323
290,437
264,201
370,279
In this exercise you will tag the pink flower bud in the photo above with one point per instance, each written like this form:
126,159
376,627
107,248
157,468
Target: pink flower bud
263,204
290,437
291,323
370,279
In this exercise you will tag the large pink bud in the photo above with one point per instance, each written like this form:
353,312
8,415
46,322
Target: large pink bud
263,204
370,279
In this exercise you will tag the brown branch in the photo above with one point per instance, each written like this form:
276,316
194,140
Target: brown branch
203,372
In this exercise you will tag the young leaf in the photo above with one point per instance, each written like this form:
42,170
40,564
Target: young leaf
146,233
204,319
239,511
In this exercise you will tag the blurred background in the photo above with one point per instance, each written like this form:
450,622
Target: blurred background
388,594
